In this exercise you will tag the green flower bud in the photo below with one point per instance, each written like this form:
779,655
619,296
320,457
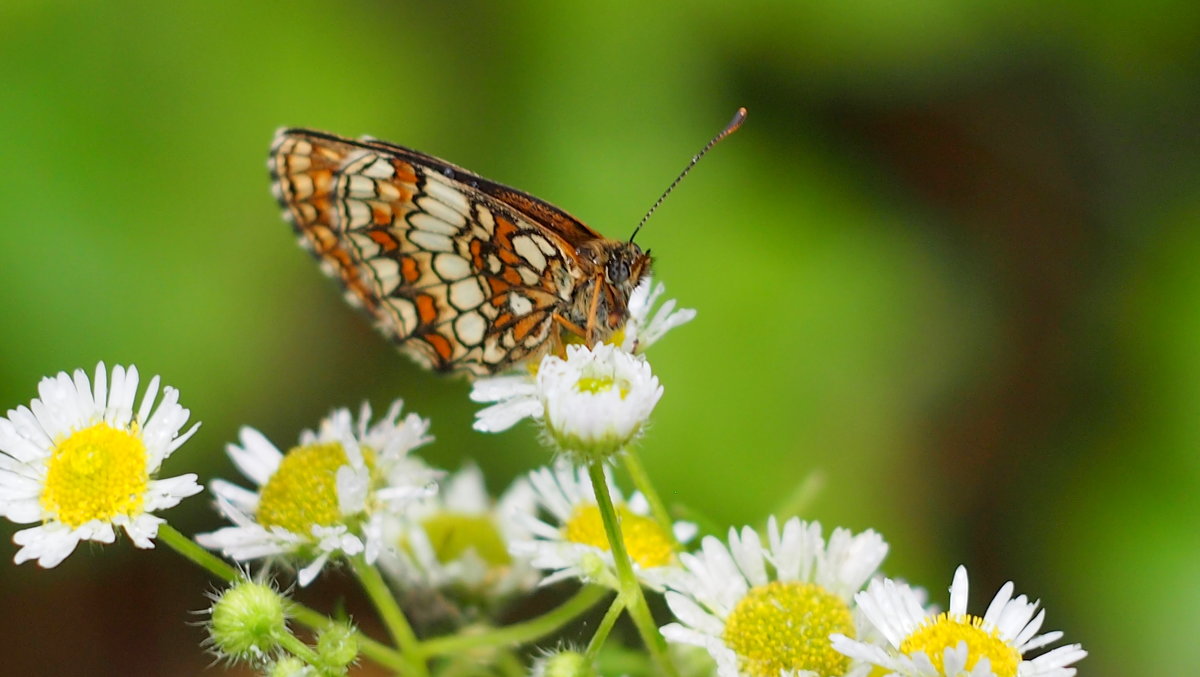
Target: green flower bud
248,620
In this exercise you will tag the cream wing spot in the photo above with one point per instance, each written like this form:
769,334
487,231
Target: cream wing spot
358,186
405,314
440,211
451,267
529,277
527,248
388,192
302,186
546,246
493,352
466,293
307,212
449,196
470,328
379,169
434,242
298,163
520,304
386,272
485,219
364,245
356,213
431,223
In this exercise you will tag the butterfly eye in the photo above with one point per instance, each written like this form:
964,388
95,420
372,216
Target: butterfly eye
617,270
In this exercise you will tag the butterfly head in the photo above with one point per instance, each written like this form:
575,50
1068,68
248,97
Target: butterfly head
625,266
601,303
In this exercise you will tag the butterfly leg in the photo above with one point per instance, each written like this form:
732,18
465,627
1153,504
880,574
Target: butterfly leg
592,310
570,326
558,347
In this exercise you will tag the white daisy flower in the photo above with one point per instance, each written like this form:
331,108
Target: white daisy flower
80,461
592,404
576,545
769,611
458,539
920,643
596,401
524,394
328,495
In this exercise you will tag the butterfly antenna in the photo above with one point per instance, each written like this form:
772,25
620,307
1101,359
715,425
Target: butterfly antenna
738,118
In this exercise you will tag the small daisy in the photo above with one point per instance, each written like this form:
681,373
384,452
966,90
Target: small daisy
328,495
80,461
956,644
458,539
524,395
575,545
591,404
768,611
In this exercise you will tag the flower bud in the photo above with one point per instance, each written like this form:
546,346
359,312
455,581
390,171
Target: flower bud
248,621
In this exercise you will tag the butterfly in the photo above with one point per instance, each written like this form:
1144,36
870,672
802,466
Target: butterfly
464,274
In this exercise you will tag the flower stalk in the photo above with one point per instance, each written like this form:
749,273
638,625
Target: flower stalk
518,633
630,590
393,617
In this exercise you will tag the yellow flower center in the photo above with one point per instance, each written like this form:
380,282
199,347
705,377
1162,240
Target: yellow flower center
946,631
303,491
785,626
597,385
96,474
453,533
644,539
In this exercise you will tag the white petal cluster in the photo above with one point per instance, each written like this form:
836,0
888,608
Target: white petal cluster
647,324
721,575
593,403
67,404
896,610
366,491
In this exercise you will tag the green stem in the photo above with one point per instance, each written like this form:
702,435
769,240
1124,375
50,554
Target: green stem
294,646
606,624
631,589
518,633
393,618
641,480
191,550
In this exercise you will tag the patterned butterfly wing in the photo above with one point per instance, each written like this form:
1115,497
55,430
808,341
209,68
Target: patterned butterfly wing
459,271
538,211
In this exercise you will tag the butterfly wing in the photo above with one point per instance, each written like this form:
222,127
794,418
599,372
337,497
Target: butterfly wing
457,276
538,211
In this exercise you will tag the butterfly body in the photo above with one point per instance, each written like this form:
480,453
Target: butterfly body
462,273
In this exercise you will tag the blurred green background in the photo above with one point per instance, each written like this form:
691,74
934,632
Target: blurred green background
948,269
